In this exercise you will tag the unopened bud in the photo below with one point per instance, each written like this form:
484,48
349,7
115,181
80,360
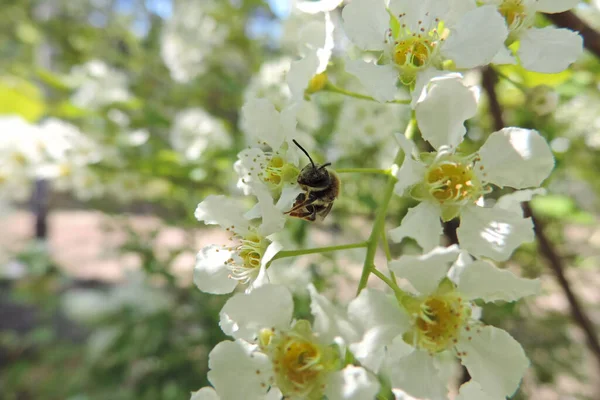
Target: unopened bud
317,83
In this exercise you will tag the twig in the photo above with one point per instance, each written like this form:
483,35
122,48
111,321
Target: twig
545,246
555,262
591,38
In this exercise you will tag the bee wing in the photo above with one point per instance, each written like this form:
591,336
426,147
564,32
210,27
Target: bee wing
299,206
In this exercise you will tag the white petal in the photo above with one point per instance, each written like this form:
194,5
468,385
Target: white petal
494,359
263,123
330,322
493,233
300,73
273,219
411,171
211,274
512,201
503,57
275,394
425,272
352,383
206,393
483,280
314,7
378,80
417,375
476,38
424,78
549,50
555,6
263,278
419,13
459,266
224,211
421,223
472,391
287,124
233,371
515,157
366,23
381,319
288,196
244,315
442,113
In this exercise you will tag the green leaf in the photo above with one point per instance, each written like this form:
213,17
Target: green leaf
554,206
17,96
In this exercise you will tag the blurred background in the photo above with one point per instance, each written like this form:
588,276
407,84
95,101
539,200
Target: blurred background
118,116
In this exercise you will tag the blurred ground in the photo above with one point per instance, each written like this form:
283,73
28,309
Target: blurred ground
84,244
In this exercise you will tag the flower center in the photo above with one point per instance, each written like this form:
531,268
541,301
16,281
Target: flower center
516,15
438,321
249,254
300,362
452,181
413,51
275,172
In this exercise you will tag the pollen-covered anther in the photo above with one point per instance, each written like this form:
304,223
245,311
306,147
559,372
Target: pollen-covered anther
301,363
453,182
438,322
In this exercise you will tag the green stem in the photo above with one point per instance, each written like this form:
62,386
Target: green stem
330,87
388,253
363,171
378,225
386,245
518,85
316,250
390,282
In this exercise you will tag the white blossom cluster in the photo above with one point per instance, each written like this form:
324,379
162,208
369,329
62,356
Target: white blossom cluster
405,340
53,150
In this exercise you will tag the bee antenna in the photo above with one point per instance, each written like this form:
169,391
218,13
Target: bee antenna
325,165
305,152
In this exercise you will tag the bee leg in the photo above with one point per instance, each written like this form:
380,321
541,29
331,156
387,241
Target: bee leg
311,213
323,211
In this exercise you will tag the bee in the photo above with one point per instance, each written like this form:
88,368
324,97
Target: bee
321,187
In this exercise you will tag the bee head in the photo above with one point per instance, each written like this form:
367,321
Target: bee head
313,175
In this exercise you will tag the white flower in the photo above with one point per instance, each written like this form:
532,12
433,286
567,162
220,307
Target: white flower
194,131
450,184
307,74
548,49
403,337
219,268
271,350
98,85
542,100
189,36
417,36
21,154
363,124
271,172
271,83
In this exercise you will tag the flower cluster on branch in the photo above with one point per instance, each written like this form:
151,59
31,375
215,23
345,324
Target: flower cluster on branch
396,57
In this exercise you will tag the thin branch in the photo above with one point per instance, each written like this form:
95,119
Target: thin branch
567,19
555,262
545,246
